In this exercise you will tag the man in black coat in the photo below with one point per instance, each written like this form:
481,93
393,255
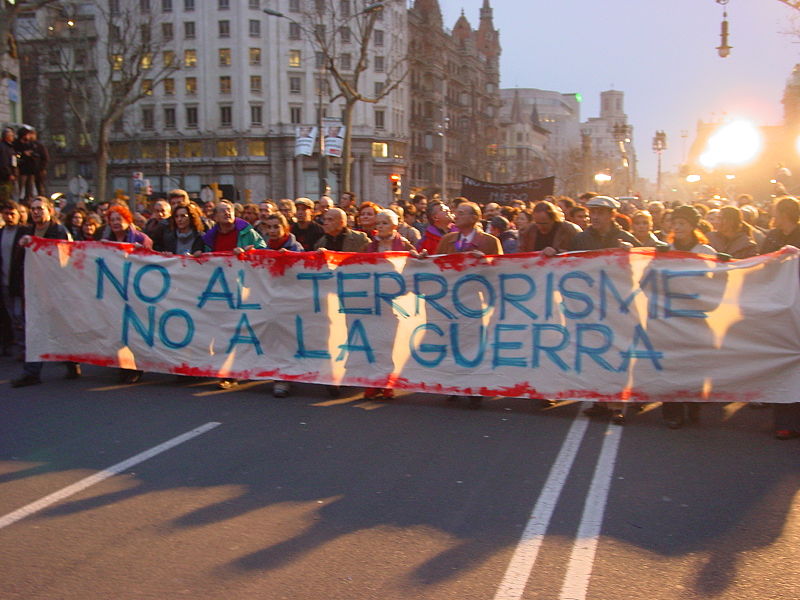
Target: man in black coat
8,165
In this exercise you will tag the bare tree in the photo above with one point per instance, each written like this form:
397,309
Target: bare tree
108,56
328,26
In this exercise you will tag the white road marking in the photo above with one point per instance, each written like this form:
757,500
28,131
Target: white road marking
519,569
581,562
81,485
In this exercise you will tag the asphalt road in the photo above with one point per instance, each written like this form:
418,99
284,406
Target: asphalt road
312,498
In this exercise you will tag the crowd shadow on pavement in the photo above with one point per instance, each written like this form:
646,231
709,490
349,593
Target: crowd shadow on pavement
423,464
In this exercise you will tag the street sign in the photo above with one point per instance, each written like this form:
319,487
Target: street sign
207,195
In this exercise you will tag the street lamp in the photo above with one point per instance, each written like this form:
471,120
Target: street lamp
602,178
659,145
622,133
724,49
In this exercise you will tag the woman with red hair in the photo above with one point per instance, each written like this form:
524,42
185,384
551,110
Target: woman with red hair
122,229
365,220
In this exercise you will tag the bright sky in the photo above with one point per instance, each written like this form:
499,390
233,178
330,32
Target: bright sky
662,54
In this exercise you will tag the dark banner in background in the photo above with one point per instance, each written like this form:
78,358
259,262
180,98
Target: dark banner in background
502,193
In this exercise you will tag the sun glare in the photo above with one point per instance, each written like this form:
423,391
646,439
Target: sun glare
735,143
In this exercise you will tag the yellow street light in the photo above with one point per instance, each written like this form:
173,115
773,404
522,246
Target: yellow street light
692,178
601,178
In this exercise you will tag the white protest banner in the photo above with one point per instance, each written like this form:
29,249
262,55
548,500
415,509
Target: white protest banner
623,325
305,136
334,136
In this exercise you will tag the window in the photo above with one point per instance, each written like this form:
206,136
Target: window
255,56
193,149
255,114
378,33
295,115
120,151
167,31
147,61
294,31
319,60
168,57
113,7
380,119
169,117
188,5
147,87
319,32
344,8
60,170
255,84
254,4
256,148
224,29
190,58
191,116
294,6
224,57
188,30
295,58
191,86
166,6
254,27
144,6
345,61
116,62
226,118
144,34
379,64
295,85
227,148
86,170
379,85
223,4
148,122
81,56
225,84
169,86
344,33
380,150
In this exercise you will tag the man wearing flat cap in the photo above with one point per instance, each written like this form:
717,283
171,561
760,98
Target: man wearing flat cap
604,232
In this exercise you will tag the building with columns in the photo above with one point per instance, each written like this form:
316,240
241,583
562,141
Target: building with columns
246,81
609,143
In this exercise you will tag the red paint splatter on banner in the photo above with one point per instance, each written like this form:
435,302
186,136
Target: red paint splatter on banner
393,380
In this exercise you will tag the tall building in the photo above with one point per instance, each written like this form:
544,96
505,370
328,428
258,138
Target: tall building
610,142
246,81
559,115
521,153
454,98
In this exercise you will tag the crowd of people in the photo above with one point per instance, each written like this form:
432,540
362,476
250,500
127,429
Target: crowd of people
176,224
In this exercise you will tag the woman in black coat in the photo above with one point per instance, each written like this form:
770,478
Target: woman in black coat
185,232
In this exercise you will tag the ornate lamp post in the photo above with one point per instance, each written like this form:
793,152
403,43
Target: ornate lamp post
659,145
622,135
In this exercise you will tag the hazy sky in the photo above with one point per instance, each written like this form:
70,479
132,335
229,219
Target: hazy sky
662,54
